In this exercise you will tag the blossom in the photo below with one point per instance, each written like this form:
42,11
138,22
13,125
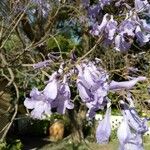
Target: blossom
121,36
127,27
42,64
121,44
103,130
135,122
141,5
123,134
56,94
141,36
93,12
92,86
38,103
51,89
111,28
131,138
145,25
125,84
125,33
127,139
63,99
99,29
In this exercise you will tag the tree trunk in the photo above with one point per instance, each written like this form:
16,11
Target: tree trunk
76,119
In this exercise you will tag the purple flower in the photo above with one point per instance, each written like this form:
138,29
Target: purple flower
135,143
121,44
103,130
42,64
38,103
142,38
104,22
125,84
95,31
125,32
132,128
111,28
63,99
145,25
141,5
134,121
56,94
51,89
84,92
110,31
99,29
127,139
127,27
92,86
123,134
93,11
82,85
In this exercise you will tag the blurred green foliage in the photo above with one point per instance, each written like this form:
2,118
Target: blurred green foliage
60,42
13,145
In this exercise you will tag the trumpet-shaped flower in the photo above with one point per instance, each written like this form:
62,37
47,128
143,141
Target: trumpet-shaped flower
127,139
111,28
63,99
51,89
131,139
135,122
38,103
145,25
125,84
103,130
42,64
123,134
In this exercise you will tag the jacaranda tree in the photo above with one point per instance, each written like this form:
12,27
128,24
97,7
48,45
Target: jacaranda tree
67,54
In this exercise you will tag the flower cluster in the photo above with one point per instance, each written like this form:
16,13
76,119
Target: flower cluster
93,87
92,84
121,34
56,94
132,128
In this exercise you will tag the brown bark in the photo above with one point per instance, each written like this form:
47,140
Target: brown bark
76,119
